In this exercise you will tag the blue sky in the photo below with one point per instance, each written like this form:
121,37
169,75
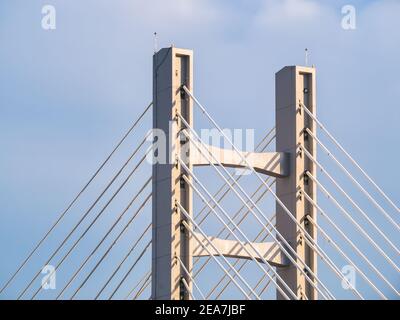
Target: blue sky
68,94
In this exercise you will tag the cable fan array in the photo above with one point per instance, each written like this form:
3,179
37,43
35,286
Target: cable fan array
358,231
369,247
98,214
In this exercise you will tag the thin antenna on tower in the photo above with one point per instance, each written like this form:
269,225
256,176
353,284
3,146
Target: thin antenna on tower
155,42
306,57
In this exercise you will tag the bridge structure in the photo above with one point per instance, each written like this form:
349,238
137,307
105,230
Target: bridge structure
195,240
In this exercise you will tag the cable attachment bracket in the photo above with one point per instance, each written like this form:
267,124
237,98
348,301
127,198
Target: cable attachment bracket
182,288
305,134
182,227
305,177
182,92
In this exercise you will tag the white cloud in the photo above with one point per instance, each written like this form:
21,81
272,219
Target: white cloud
175,12
279,13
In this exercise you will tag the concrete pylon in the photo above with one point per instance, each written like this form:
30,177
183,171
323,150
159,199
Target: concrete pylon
295,86
172,68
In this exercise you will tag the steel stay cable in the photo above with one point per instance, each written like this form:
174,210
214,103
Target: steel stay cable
259,283
244,262
191,278
265,287
182,210
266,136
353,221
237,228
94,220
112,244
84,216
130,270
123,261
254,205
360,253
311,243
348,156
104,238
143,287
142,280
306,235
224,185
365,192
242,219
220,199
228,189
234,228
236,237
188,289
283,248
309,156
231,186
32,252
333,243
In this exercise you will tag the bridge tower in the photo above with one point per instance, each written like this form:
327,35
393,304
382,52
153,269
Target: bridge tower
294,88
173,248
172,68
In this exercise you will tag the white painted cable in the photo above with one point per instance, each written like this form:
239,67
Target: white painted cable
258,219
224,194
344,255
188,289
111,246
348,240
86,230
130,270
121,263
67,209
191,278
142,280
265,287
359,228
143,288
183,210
306,235
309,156
226,237
349,157
244,160
283,248
242,219
104,238
237,228
244,262
237,179
355,182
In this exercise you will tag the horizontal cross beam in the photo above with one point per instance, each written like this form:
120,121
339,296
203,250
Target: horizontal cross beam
233,249
270,163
